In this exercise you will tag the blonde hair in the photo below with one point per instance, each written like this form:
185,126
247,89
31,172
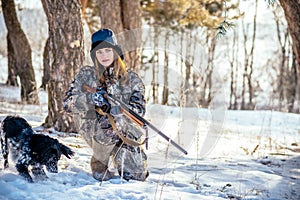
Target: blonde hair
120,67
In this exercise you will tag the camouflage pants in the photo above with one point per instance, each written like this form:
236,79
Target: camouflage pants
130,162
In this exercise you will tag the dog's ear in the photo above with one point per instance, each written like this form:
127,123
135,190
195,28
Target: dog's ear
66,150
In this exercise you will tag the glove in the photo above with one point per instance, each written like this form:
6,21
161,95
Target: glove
136,101
100,101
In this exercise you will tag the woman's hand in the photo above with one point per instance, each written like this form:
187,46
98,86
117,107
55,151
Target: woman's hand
137,103
100,100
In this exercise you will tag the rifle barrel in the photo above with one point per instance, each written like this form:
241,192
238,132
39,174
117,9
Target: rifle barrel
147,123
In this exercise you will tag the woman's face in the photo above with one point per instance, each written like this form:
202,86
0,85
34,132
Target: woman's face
105,56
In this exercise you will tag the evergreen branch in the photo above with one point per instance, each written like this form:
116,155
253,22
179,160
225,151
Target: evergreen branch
223,28
270,2
225,25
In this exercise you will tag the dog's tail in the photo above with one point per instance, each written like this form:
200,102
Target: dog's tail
11,127
4,146
66,150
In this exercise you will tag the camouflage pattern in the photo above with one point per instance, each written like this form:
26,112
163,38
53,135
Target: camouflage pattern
97,130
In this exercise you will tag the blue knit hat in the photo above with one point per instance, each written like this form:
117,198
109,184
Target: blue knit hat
105,38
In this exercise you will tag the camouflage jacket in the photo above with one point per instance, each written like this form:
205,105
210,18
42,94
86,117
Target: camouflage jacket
96,127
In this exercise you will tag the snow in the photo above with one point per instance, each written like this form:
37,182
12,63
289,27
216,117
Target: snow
231,154
254,156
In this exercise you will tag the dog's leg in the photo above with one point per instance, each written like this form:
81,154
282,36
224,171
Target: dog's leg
23,171
4,146
22,165
39,172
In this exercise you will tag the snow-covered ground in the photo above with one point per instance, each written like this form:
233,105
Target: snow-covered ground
231,154
254,155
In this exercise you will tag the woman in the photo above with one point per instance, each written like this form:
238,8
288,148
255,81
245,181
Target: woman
99,121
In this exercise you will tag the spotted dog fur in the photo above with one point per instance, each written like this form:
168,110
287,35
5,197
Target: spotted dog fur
28,148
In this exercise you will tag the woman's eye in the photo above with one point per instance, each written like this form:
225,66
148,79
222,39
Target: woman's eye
104,51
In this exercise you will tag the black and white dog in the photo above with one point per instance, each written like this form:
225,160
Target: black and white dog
29,148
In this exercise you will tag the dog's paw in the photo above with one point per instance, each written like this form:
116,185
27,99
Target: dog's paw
41,177
39,173
27,177
6,165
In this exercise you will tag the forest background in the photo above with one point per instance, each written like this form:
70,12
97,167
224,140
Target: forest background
237,54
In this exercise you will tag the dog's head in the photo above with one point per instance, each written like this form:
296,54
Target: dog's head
47,151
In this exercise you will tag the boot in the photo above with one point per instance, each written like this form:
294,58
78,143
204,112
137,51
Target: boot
100,170
134,176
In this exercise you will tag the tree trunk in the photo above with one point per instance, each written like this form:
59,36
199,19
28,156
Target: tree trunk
111,15
165,94
132,19
293,89
12,65
155,67
66,44
21,51
248,64
292,14
207,81
47,55
251,58
121,16
233,60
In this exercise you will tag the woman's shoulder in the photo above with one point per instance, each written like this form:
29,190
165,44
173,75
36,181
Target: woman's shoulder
86,71
132,74
134,78
87,74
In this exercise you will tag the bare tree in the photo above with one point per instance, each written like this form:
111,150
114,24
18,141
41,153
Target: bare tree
47,55
12,64
282,40
206,79
248,64
66,44
287,73
165,93
122,15
292,14
294,87
155,67
19,54
234,66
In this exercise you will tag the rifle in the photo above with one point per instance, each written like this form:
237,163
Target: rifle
136,117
